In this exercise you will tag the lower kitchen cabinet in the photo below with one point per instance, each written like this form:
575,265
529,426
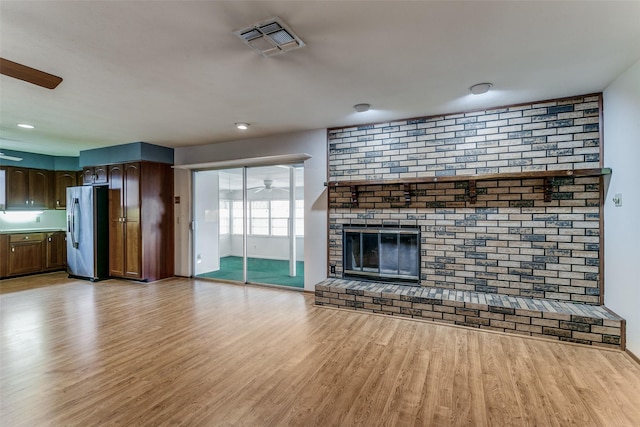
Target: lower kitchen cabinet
56,251
28,253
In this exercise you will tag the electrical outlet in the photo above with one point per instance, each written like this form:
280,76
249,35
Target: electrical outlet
333,269
617,199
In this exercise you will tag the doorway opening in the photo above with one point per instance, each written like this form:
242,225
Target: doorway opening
249,224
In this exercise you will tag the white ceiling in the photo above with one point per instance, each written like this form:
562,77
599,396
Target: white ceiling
172,73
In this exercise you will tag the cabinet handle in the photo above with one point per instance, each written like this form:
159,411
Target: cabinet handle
58,202
26,237
32,203
27,203
13,249
49,238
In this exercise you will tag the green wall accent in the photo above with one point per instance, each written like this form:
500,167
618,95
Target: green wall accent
41,161
126,153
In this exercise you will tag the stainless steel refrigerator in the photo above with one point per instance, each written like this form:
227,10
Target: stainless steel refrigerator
88,232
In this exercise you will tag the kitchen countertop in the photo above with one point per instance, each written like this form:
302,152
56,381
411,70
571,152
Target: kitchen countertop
30,230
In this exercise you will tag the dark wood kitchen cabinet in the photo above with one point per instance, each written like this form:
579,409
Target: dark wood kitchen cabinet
63,180
56,250
32,252
140,220
95,175
4,255
27,188
26,253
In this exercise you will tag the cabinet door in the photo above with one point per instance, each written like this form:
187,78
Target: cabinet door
39,188
64,179
26,254
132,242
101,175
116,221
17,188
56,250
4,255
88,176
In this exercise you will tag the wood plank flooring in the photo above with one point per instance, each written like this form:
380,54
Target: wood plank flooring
200,353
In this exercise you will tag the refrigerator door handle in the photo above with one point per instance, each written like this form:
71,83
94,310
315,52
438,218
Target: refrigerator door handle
75,211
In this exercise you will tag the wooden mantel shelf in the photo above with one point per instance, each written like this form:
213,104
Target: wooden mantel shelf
483,177
547,175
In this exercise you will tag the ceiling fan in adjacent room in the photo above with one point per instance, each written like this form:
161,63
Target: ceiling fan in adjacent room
28,74
267,187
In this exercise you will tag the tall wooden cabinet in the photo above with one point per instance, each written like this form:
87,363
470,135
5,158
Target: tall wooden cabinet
140,220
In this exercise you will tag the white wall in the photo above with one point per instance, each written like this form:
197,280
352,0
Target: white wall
315,198
207,221
621,111
182,213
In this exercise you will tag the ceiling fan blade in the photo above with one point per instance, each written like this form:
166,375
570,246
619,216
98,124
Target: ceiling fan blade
14,158
28,74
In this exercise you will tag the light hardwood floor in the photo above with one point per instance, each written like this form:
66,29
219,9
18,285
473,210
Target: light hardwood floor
200,353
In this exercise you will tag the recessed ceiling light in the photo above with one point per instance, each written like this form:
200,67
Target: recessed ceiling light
25,126
242,125
361,108
480,88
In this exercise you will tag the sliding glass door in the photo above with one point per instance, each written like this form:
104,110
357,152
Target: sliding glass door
249,225
272,246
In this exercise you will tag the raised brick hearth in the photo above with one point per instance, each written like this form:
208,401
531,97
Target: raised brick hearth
578,323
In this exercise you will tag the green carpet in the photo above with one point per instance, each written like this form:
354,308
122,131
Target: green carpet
259,270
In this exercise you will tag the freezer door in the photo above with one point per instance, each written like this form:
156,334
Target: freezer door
80,234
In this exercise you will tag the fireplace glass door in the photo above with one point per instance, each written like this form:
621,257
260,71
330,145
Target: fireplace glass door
382,253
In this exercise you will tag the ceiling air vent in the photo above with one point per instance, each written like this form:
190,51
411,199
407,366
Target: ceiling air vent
270,37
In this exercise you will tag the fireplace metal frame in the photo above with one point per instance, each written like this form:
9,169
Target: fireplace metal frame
379,274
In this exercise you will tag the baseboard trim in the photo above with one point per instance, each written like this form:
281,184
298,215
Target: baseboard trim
633,356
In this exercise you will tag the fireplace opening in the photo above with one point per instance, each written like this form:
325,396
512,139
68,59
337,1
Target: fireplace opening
381,253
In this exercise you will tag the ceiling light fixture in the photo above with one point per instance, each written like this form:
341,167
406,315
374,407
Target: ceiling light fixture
480,88
361,108
25,126
270,37
242,125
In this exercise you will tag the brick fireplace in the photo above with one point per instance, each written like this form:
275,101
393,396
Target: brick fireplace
507,201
